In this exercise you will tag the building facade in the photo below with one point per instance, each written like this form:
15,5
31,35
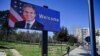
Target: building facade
82,33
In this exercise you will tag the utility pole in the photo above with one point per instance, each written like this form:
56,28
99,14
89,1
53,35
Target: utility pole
92,28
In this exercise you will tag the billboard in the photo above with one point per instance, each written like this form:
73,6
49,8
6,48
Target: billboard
29,16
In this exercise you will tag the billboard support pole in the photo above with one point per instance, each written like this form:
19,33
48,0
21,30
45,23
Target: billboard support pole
45,41
92,28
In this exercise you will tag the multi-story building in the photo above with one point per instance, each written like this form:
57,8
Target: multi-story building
82,33
98,36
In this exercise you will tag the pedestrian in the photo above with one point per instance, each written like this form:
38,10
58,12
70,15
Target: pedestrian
68,50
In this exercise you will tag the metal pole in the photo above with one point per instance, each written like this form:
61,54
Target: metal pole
45,40
82,38
92,28
45,43
61,47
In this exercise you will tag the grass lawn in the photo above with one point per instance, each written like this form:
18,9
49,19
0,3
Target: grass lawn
35,50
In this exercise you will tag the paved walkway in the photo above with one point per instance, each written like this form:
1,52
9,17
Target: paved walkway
79,51
15,52
2,53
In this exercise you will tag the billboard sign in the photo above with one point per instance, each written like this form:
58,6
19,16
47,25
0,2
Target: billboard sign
29,16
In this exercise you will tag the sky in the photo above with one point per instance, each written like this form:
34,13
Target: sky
73,13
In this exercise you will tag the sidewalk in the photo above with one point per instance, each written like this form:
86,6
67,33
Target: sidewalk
79,51
15,52
2,53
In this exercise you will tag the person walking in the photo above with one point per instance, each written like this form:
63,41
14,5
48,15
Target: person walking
68,50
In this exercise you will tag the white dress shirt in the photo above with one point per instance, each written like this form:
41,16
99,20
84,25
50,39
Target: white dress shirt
31,23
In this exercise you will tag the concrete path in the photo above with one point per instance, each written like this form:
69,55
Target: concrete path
2,53
15,52
79,51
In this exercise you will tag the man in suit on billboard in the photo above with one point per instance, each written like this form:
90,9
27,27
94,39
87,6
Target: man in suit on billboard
30,22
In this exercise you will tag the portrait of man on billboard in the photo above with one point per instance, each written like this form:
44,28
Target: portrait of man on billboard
30,22
29,16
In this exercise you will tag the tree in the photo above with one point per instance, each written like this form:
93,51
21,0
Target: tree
6,30
61,35
72,39
4,20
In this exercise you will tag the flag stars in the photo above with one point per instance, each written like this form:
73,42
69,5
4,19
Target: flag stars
15,6
20,3
20,7
20,11
15,2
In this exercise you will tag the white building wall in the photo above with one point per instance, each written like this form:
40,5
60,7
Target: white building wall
82,33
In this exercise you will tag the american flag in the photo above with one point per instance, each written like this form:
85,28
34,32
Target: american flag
15,12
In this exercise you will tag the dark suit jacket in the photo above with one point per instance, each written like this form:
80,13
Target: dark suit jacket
36,25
